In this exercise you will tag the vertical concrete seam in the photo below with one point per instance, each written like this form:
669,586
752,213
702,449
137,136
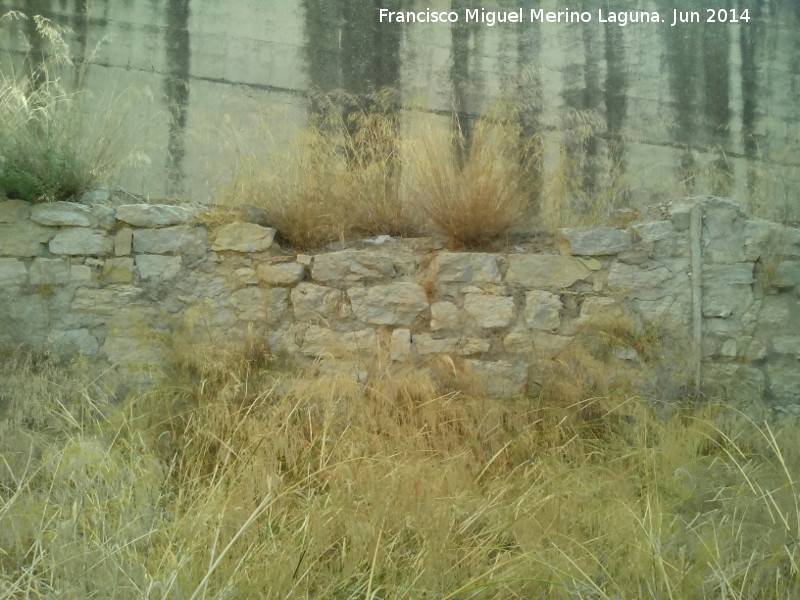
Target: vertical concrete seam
695,233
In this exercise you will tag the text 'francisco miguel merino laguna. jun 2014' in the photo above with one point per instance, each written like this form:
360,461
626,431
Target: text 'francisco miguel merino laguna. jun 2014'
539,15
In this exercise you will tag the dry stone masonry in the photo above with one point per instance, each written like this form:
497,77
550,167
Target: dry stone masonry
125,284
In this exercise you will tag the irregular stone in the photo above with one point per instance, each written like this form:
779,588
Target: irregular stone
304,259
320,341
467,267
734,381
724,275
759,235
723,231
105,301
400,349
63,214
281,274
24,239
596,307
153,215
247,276
123,242
425,343
312,302
722,302
12,272
352,266
46,271
501,379
80,241
260,305
179,239
75,341
650,283
94,196
243,237
680,213
783,377
543,310
155,267
592,241
80,273
446,315
788,344
787,275
14,211
388,304
778,310
545,271
490,311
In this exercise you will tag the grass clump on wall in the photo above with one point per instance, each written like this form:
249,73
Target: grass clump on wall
50,149
240,479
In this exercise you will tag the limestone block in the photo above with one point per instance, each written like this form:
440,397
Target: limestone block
787,275
312,302
722,302
118,270
154,267
14,211
723,231
788,344
501,379
112,300
446,315
592,241
759,236
12,272
80,241
534,271
654,231
45,271
179,239
256,304
724,275
246,276
281,274
304,259
123,242
352,266
490,311
777,311
644,282
542,344
680,214
425,344
243,237
63,214
543,310
80,273
96,195
783,380
734,381
388,304
400,349
24,239
320,341
466,267
154,215
596,307
74,341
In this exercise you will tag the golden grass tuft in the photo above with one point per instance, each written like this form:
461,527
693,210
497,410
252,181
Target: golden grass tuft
473,193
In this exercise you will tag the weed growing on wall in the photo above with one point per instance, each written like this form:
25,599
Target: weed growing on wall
473,194
50,148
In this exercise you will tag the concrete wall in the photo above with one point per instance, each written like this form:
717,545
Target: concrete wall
701,108
126,284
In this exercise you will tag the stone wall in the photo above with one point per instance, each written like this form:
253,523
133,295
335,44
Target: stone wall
128,284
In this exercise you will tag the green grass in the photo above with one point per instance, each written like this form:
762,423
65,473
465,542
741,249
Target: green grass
51,148
241,479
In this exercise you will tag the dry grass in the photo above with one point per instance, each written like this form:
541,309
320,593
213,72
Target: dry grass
337,179
50,148
240,480
474,193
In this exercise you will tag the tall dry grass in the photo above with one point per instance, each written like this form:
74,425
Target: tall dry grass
240,479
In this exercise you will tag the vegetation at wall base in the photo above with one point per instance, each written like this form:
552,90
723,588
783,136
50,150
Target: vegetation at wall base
239,478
